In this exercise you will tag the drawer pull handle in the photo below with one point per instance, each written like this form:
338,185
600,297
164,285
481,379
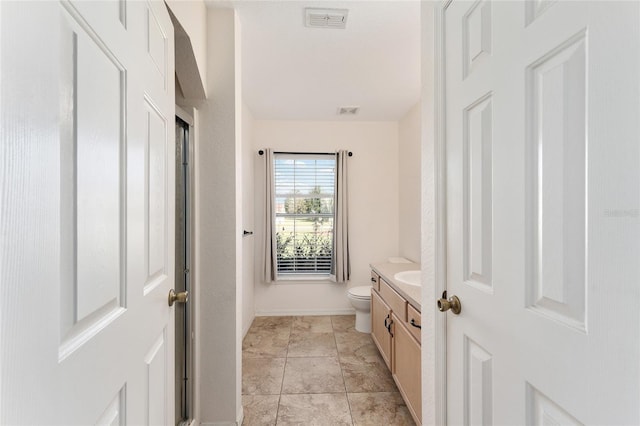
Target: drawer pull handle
413,323
373,280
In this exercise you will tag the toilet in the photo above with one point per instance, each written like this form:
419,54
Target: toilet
360,298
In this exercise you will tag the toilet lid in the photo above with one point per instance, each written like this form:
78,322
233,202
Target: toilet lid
363,291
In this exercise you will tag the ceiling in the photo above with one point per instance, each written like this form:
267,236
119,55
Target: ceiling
292,72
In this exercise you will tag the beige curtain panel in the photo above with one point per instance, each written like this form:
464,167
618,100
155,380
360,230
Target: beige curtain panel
270,268
341,267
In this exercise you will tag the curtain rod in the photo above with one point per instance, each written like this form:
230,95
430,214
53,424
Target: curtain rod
261,152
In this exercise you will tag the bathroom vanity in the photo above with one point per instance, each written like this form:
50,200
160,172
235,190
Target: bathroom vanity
395,328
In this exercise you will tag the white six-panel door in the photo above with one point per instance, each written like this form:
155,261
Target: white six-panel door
87,213
543,199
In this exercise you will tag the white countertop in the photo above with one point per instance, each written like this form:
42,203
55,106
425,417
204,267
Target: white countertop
411,293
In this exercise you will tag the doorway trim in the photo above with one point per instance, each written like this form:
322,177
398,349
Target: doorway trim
440,209
188,117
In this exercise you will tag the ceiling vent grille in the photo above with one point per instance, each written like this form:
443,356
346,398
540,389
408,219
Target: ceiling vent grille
348,110
326,18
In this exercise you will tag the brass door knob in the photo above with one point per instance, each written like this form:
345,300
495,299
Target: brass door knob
452,303
181,297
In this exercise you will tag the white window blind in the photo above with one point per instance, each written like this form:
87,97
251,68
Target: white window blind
304,213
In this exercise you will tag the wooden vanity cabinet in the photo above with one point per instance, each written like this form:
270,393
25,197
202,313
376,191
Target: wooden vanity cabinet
380,318
406,366
395,329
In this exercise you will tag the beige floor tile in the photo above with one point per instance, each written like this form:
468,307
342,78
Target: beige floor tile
312,344
308,363
272,323
265,343
313,324
262,376
260,410
361,376
356,344
312,375
343,322
379,408
314,410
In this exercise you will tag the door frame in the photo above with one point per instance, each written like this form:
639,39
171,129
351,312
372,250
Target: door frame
188,117
440,208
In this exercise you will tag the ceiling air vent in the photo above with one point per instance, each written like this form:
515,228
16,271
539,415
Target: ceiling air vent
326,18
348,110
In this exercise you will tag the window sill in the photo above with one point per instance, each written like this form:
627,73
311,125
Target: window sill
303,277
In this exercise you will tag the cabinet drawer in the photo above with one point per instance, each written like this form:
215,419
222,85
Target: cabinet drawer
413,322
375,281
397,304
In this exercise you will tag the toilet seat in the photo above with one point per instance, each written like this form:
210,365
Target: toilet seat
360,292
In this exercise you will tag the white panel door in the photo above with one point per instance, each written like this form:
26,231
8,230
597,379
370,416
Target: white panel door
87,113
543,211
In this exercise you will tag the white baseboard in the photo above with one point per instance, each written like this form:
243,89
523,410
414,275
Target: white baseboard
240,415
238,422
247,327
304,312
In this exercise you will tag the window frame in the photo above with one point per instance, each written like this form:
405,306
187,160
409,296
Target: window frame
297,275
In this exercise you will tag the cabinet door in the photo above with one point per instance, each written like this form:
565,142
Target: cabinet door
406,368
380,318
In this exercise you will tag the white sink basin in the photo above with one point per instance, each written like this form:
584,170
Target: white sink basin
409,277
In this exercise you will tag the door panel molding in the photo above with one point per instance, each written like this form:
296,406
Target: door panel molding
477,31
557,187
478,191
92,153
478,386
156,226
114,414
157,382
541,410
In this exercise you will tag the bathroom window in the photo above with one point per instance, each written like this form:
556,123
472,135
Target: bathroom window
304,213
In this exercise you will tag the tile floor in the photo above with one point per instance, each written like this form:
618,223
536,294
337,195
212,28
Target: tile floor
316,371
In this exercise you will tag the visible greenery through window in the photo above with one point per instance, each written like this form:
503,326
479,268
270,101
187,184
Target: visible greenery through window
304,213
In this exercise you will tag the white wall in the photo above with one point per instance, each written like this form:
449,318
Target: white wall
373,206
248,242
217,227
192,15
409,139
